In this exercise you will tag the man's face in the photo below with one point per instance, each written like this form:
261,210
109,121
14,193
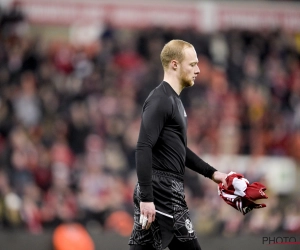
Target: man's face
189,67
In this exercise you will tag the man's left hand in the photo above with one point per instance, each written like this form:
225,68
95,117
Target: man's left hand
219,177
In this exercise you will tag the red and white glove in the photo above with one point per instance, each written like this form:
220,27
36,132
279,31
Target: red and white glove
240,194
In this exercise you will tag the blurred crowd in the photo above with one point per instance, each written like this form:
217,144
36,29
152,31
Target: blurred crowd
70,117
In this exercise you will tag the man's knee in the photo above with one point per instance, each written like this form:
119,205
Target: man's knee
141,247
178,245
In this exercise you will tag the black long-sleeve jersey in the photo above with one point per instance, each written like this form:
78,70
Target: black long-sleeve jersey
162,142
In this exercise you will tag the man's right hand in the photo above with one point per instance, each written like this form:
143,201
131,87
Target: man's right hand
147,214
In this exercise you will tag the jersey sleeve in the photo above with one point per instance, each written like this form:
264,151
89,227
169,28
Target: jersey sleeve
198,165
155,113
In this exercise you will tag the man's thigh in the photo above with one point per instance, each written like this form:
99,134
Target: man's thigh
190,244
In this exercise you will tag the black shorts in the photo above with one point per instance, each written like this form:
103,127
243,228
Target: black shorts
172,214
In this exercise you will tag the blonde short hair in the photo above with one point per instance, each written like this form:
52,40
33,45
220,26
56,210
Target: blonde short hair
173,50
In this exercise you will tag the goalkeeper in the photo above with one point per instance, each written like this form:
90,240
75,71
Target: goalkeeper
161,216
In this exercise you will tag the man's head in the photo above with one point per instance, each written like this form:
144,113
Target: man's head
179,58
